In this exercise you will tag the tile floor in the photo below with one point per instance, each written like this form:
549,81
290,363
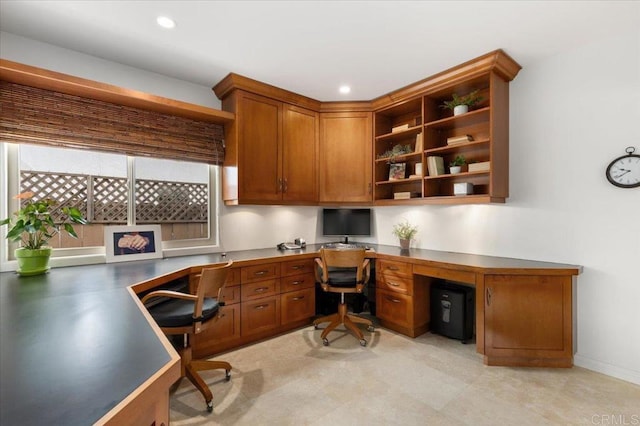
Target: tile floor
396,380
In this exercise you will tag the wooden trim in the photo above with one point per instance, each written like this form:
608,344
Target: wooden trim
235,81
50,80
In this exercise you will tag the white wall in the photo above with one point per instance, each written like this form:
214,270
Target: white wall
570,115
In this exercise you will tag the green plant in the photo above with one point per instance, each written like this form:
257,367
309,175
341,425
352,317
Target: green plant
392,153
404,230
470,99
33,224
458,161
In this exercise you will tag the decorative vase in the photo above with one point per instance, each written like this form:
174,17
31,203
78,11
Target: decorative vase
460,109
33,262
455,169
404,244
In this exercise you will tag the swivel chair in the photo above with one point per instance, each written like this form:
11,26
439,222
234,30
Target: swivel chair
190,314
343,271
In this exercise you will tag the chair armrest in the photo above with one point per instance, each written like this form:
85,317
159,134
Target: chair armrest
171,294
366,271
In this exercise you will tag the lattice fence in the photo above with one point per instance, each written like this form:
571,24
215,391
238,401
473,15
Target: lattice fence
104,199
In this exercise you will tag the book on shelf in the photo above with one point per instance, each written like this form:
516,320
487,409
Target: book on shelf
435,165
479,167
419,143
459,139
406,195
400,128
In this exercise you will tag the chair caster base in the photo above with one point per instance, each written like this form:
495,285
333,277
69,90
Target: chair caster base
227,375
325,342
210,406
371,329
363,342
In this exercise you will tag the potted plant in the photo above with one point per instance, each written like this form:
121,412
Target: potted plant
456,165
33,226
461,104
405,232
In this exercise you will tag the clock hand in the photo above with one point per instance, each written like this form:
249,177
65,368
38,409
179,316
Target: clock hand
620,175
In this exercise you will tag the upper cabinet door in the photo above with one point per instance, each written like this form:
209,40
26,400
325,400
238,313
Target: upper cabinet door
345,157
299,155
260,129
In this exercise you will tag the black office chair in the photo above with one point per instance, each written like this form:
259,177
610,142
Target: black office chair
343,271
190,314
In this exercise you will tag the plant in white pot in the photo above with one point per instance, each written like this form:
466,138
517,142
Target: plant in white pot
33,226
455,166
461,104
405,233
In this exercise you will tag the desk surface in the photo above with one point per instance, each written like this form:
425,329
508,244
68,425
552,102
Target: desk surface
73,343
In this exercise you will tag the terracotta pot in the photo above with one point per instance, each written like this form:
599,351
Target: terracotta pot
33,262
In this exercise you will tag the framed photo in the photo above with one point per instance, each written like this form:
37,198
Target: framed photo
397,171
125,243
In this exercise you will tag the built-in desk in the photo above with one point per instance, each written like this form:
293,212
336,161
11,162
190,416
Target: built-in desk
77,347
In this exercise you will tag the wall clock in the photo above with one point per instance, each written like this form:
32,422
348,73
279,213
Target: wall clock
624,172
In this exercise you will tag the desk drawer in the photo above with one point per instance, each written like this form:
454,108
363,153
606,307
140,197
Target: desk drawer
297,282
395,308
298,305
447,274
396,284
260,272
259,289
394,269
259,315
297,267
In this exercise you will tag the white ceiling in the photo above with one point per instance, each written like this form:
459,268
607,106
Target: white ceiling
313,47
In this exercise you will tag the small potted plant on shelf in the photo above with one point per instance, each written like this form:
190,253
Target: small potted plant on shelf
461,104
405,233
455,166
33,225
397,150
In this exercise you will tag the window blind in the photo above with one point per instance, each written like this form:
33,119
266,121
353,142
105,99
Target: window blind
39,116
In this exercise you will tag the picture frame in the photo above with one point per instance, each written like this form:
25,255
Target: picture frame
397,171
127,243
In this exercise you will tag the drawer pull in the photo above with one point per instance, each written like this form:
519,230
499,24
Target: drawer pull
393,284
298,298
391,299
297,282
393,268
257,308
261,289
296,267
260,273
488,296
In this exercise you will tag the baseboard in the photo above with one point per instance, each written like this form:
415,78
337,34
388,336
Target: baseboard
608,369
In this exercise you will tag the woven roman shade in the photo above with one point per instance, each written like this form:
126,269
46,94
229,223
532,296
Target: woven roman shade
39,116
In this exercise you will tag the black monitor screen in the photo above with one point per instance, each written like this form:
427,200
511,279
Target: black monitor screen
345,222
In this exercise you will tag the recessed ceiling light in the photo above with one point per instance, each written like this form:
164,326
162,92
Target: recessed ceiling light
345,89
165,22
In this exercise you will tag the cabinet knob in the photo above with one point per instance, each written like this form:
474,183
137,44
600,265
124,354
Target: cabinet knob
261,289
298,298
391,299
297,282
393,284
488,296
259,273
259,307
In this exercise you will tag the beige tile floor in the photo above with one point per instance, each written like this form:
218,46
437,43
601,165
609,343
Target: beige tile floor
396,380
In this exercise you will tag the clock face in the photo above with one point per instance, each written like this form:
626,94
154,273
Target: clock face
625,171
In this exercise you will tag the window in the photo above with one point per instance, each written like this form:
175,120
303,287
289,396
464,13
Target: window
114,189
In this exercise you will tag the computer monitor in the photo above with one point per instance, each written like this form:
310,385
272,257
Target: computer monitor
346,223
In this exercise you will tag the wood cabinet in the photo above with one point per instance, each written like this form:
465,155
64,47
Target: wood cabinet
400,304
262,300
345,157
528,320
272,150
415,119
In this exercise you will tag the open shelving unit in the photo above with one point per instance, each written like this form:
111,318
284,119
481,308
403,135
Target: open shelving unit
420,107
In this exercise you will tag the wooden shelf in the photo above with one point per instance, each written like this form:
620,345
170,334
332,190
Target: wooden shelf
403,134
26,75
416,155
461,175
400,181
466,146
464,120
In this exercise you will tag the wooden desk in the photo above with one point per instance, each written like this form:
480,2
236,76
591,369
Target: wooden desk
78,348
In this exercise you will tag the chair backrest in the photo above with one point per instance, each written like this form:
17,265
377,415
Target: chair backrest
211,284
344,258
